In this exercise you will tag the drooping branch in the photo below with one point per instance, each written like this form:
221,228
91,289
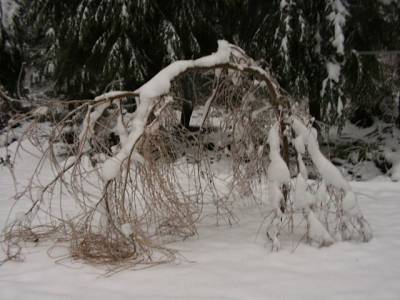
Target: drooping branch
227,56
115,95
256,71
160,181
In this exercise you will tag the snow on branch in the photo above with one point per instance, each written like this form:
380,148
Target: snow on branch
308,136
338,19
115,95
125,212
160,85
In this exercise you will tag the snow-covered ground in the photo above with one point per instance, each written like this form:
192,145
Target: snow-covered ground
363,146
224,262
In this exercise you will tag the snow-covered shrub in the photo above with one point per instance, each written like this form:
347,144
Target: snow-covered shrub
328,206
141,179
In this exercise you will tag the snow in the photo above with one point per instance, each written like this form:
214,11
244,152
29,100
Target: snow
275,196
273,138
9,8
339,107
156,87
302,133
396,172
350,204
302,167
277,170
322,194
298,143
284,47
382,141
338,19
161,82
50,33
225,262
330,174
283,4
317,232
302,198
126,229
112,95
124,12
333,70
394,158
111,167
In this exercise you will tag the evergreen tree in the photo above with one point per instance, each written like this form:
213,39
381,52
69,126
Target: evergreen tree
87,46
311,46
112,40
98,44
40,25
297,47
9,56
367,79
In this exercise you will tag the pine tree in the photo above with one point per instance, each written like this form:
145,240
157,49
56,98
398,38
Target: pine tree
97,44
311,46
9,56
368,81
297,37
39,27
87,46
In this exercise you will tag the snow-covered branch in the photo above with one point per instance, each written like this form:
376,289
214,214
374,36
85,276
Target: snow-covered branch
160,85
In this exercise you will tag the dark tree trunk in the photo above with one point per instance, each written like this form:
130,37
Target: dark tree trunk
187,104
285,156
315,101
187,109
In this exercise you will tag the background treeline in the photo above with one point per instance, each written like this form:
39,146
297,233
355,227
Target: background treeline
326,51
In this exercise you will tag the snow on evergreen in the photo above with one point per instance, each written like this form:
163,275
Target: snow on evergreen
148,93
337,17
8,9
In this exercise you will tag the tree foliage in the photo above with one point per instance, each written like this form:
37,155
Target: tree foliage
87,46
9,56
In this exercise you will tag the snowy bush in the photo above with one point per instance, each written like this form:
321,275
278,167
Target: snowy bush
140,179
328,206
